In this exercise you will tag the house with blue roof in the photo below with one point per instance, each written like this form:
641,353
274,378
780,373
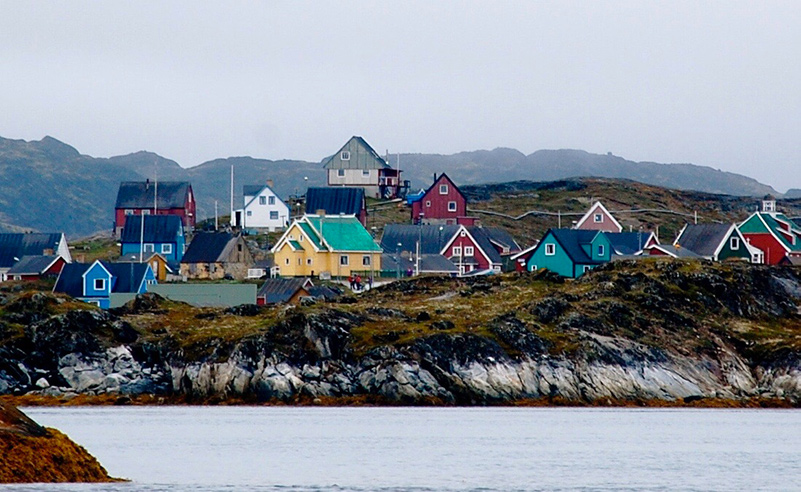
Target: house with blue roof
14,246
571,252
162,234
97,282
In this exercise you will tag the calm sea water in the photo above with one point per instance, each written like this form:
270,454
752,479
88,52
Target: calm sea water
441,449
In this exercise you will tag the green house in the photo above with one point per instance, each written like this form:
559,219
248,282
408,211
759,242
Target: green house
571,252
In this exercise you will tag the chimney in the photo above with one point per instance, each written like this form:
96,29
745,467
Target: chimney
270,183
48,252
435,177
319,212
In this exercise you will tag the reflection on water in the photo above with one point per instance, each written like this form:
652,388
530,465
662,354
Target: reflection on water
434,449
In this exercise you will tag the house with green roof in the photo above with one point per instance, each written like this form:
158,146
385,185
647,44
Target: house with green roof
772,232
335,245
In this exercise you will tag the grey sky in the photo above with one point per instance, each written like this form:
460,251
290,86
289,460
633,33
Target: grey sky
715,84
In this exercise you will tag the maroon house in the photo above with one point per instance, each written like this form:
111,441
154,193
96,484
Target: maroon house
441,203
139,198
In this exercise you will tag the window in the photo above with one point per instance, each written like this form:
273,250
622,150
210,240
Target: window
366,260
550,249
734,243
166,249
587,268
262,200
428,203
463,234
533,268
149,248
286,261
365,173
600,250
250,213
128,211
154,266
273,214
443,189
598,218
341,173
308,261
271,200
451,206
345,155
145,212
100,284
300,261
343,260
469,251
300,238
457,251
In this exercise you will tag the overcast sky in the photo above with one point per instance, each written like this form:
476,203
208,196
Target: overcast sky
712,83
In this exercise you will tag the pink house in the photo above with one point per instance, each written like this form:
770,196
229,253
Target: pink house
598,218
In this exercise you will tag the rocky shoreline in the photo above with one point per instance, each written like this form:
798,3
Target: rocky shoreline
622,335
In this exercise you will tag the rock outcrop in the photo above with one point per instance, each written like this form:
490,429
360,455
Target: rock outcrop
30,453
624,332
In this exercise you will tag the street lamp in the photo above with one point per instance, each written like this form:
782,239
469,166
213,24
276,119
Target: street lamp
397,258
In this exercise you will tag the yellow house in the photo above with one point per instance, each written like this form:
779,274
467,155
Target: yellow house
334,244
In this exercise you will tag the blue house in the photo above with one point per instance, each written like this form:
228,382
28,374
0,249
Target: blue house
163,234
96,282
571,252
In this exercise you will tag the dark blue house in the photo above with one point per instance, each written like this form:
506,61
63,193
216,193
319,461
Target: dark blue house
163,234
96,282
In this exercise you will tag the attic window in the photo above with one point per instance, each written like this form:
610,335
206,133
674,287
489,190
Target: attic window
457,251
271,200
600,250
597,218
100,284
262,200
550,249
345,155
451,206
443,189
428,203
469,251
734,243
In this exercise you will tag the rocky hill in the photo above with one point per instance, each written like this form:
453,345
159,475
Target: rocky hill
628,332
51,186
30,453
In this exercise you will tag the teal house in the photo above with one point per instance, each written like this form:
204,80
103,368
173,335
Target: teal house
571,252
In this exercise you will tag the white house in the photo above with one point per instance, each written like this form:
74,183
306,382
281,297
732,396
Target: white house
263,209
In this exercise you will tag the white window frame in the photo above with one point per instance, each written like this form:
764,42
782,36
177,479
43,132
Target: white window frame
550,249
451,206
102,284
587,268
598,218
129,211
166,248
734,243
428,203
309,261
145,212
343,260
469,251
457,251
533,268
601,250
443,189
365,173
149,248
345,155
286,261
366,261
262,200
273,212
271,200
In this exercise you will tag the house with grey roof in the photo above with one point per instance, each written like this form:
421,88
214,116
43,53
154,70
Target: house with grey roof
263,209
716,242
154,198
357,164
283,290
216,255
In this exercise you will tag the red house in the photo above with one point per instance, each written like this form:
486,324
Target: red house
775,234
36,267
139,198
479,248
441,203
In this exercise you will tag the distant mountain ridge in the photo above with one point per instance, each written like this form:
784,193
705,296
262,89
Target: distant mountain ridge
51,186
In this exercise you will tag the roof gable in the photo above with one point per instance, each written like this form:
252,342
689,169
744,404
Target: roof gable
258,190
141,194
361,156
342,232
442,179
703,239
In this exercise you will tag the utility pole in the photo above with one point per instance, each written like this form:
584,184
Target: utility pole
232,195
215,215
